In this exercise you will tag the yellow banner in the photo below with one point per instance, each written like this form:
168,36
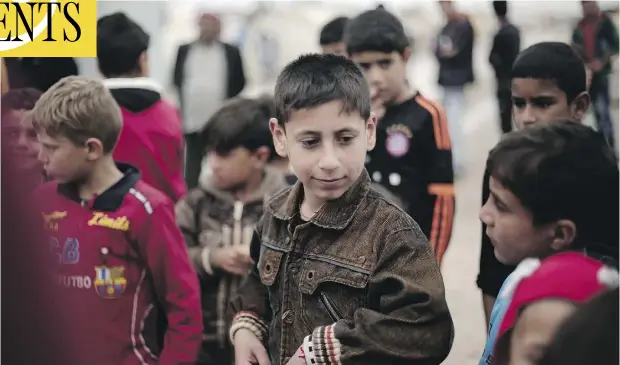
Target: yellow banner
48,28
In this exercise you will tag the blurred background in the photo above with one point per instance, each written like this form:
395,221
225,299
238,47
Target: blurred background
270,34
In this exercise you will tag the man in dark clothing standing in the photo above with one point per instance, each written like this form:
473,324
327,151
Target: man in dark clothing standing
506,45
596,39
206,73
454,50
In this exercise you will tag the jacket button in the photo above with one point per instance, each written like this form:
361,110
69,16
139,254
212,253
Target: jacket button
287,317
362,259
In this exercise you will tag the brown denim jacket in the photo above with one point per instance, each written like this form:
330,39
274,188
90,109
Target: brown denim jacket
358,284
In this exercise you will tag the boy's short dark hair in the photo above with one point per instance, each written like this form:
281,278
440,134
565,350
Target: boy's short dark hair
240,122
563,170
20,99
375,30
589,336
333,32
315,79
500,7
554,61
120,42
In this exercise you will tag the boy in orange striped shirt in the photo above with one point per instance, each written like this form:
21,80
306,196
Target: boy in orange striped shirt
413,157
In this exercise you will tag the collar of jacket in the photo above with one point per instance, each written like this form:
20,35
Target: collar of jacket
132,83
335,214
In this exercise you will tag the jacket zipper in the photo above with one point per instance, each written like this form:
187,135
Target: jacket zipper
334,313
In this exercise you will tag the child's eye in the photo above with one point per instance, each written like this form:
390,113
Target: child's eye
49,148
384,64
518,103
309,143
346,139
364,66
543,104
499,205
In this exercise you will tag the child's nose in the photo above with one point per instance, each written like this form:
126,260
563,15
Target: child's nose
329,161
484,214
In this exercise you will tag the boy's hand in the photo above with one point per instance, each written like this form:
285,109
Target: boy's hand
249,350
231,260
298,359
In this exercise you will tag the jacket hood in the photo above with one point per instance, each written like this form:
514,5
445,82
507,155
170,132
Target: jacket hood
135,94
273,182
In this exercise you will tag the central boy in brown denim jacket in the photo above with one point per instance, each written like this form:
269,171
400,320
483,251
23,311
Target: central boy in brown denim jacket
342,275
218,217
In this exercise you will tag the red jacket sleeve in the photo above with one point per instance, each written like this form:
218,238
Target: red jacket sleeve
175,283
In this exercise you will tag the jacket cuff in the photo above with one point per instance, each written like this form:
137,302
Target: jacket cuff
322,347
205,258
249,321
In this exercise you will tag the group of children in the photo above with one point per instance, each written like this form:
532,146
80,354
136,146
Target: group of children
340,266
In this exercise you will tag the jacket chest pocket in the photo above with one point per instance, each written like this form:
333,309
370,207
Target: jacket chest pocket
331,292
269,264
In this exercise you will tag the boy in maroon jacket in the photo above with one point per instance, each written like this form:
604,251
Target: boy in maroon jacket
152,138
121,258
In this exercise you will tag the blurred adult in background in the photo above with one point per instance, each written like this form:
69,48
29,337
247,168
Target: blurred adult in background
454,51
207,71
596,39
38,72
331,36
506,45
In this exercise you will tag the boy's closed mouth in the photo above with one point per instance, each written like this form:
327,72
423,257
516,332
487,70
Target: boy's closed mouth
330,182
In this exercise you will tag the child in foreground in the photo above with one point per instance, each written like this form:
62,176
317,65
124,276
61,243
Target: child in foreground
548,83
553,188
546,293
589,336
342,275
121,257
218,217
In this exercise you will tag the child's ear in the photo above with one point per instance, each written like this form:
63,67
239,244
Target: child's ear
580,106
143,64
564,235
406,54
371,132
279,137
94,149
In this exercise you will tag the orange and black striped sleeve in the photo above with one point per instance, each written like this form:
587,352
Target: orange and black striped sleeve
440,176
